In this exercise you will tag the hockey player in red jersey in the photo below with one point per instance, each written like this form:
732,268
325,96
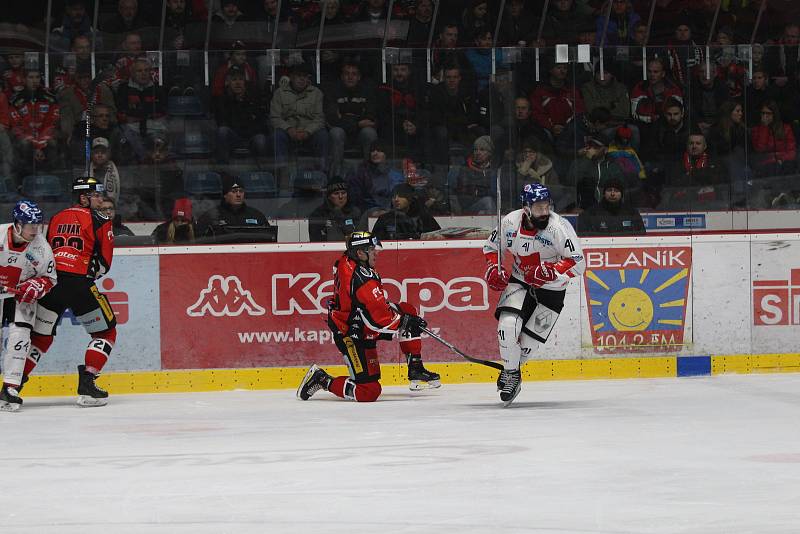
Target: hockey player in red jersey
82,242
359,316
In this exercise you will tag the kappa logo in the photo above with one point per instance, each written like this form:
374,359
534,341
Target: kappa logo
224,296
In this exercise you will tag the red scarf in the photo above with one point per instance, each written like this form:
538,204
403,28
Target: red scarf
700,163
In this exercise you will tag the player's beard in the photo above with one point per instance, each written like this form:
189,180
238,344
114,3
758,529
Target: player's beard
541,222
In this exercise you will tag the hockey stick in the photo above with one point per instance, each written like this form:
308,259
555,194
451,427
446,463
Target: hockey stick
487,363
102,76
499,226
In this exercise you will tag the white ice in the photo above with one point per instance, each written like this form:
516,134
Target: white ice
706,455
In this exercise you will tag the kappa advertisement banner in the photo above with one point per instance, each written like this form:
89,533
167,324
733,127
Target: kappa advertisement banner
269,309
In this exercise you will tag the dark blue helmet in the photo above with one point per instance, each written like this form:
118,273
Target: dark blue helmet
534,192
27,212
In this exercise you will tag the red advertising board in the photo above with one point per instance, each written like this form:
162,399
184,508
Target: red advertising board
268,309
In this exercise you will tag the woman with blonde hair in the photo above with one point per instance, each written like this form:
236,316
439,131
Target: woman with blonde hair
180,228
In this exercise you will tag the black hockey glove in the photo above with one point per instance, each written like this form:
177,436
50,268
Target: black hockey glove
412,325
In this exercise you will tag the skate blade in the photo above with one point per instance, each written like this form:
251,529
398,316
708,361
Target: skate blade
85,401
419,385
309,373
9,407
507,403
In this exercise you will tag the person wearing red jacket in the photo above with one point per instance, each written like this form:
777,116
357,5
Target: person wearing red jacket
774,147
82,240
359,315
648,97
556,102
34,118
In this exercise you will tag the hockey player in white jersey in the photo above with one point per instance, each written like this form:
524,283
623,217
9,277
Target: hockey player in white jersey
547,255
27,273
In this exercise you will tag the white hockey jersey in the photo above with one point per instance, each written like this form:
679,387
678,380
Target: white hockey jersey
29,260
557,244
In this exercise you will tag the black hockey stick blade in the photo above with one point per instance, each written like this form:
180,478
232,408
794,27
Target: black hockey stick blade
487,363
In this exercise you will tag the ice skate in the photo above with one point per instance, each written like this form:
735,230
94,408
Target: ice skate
512,383
419,377
89,394
9,399
314,380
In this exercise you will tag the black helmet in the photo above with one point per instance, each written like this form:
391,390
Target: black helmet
361,241
87,184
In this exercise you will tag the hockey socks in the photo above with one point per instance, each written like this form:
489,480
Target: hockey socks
99,350
345,388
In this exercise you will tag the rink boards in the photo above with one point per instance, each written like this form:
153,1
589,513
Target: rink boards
253,316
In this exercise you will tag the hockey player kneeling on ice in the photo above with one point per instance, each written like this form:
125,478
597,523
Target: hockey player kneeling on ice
359,315
547,255
28,273
82,240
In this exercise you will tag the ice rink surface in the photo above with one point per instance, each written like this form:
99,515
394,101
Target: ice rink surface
706,455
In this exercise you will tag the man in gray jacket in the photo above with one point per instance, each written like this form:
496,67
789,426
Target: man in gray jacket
297,117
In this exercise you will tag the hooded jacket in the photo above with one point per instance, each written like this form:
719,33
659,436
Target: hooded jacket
292,109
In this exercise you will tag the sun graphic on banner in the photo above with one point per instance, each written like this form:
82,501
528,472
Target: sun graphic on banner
637,299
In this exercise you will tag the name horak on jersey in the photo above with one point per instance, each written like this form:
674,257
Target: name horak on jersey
68,229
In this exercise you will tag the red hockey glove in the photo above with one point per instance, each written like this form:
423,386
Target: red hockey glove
497,279
31,290
541,274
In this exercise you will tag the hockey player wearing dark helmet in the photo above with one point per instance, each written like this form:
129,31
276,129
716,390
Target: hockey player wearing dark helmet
82,240
359,315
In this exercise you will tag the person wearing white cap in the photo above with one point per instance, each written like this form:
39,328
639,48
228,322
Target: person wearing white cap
103,169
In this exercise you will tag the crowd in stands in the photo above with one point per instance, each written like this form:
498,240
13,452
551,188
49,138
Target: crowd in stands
700,121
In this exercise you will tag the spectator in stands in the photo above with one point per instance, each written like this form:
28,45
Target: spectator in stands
496,108
629,59
6,148
774,145
648,97
351,115
103,125
475,185
399,112
519,25
236,58
757,94
408,218
611,216
564,19
178,15
337,217
556,102
479,56
620,24
604,90
233,220
453,115
429,188
476,19
595,124
141,107
181,226
14,74
131,51
590,169
104,169
371,184
728,135
109,209
783,54
525,127
74,100
419,26
697,179
667,141
621,152
160,168
34,124
533,166
241,118
224,24
76,22
297,116
81,54
683,53
446,55
126,19
707,96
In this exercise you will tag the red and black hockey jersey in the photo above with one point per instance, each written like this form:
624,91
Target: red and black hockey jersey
82,241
